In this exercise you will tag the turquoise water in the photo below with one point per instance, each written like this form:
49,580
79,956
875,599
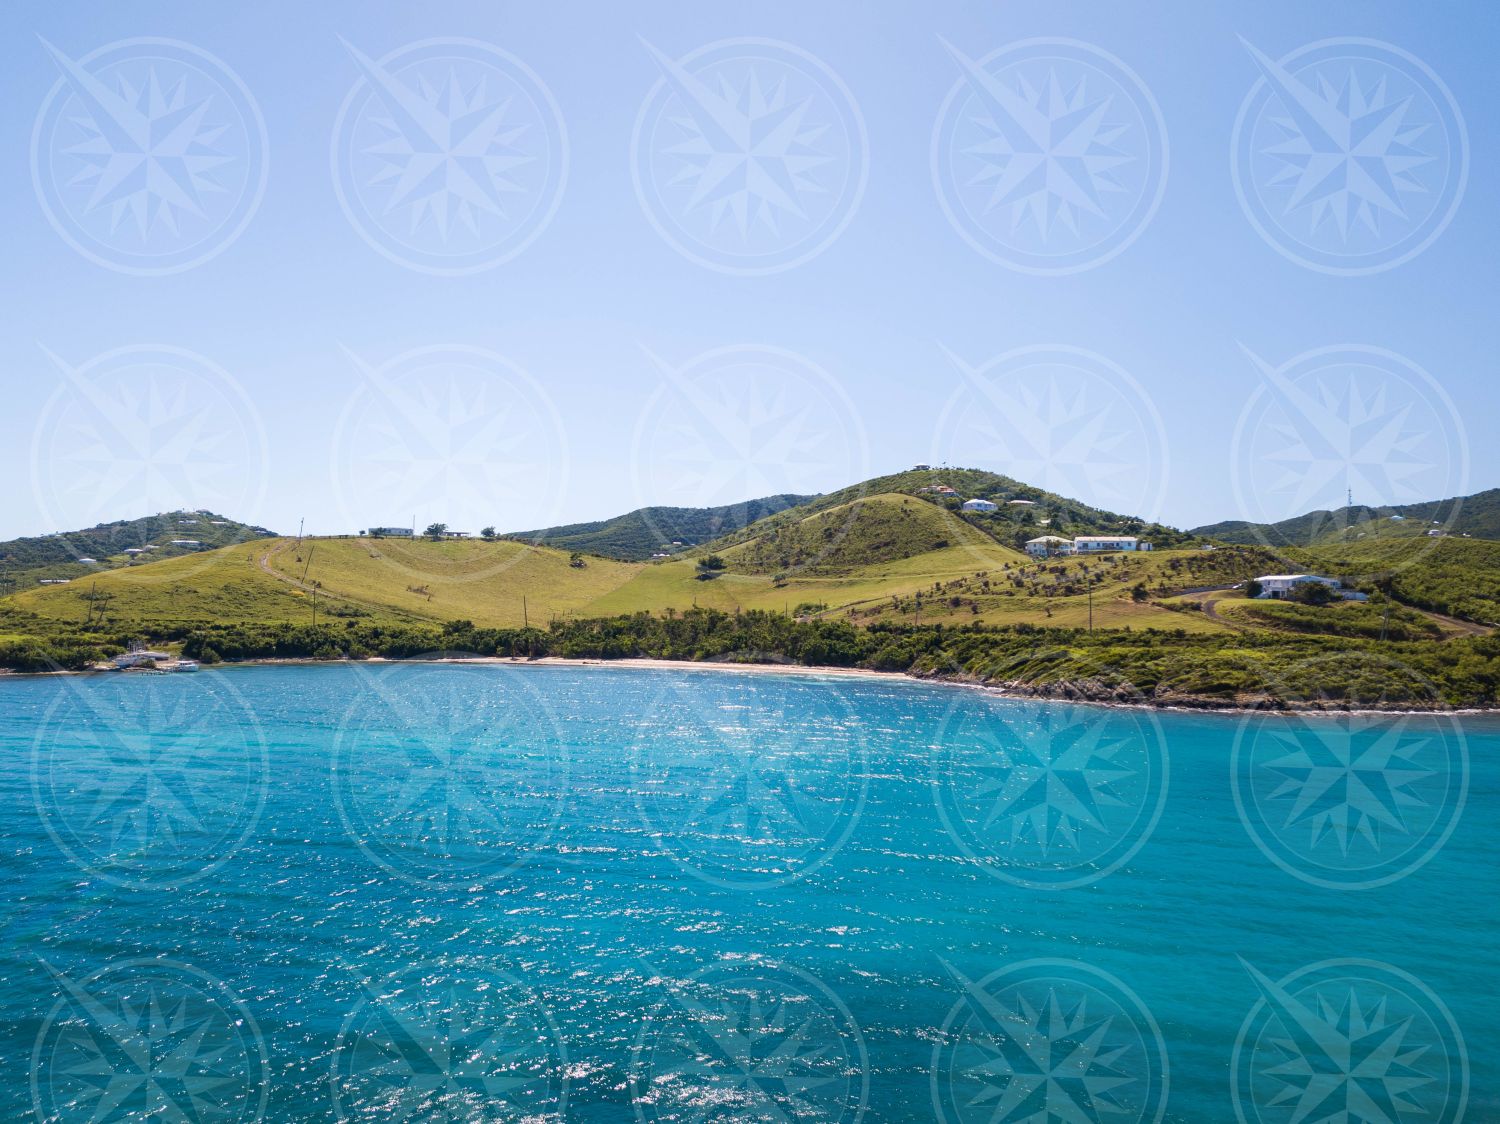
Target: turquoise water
482,892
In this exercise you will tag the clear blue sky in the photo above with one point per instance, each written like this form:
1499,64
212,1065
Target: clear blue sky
603,312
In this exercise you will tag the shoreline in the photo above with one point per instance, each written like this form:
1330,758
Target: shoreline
1204,705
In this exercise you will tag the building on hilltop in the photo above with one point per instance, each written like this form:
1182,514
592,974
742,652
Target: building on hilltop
979,505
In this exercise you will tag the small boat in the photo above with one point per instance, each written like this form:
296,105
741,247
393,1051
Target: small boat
185,665
140,657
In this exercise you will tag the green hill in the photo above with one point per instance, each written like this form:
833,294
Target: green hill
1455,576
1024,511
1477,516
26,562
864,532
637,535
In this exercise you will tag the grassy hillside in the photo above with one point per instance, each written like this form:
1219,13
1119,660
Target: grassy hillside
1038,512
637,535
1477,515
869,531
25,562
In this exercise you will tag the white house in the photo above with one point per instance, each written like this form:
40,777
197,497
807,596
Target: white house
186,542
391,532
979,505
1044,546
1101,544
1021,503
1277,587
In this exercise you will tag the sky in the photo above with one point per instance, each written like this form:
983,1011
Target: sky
524,264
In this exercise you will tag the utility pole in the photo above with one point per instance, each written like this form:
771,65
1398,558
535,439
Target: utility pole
300,524
525,619
1090,580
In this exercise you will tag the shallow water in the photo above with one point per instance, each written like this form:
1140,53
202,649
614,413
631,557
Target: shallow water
464,892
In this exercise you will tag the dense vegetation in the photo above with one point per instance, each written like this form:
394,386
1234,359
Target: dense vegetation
1477,515
1459,577
637,535
1271,669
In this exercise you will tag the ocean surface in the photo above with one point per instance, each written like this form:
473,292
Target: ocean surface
465,892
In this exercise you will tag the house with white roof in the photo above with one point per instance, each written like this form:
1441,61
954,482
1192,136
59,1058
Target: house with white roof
979,505
1107,544
1044,546
1279,587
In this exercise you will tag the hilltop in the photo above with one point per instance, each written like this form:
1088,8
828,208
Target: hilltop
71,555
1024,511
1477,516
637,535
